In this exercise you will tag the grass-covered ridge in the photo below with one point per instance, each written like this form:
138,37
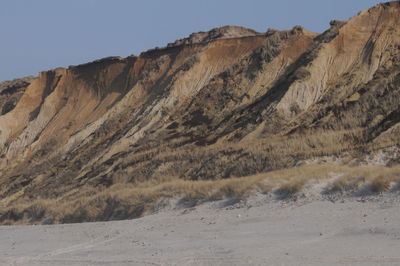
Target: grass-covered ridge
124,201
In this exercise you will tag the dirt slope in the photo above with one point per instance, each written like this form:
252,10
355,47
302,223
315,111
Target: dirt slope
230,102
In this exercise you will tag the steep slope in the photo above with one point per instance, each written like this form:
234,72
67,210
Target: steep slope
10,93
230,102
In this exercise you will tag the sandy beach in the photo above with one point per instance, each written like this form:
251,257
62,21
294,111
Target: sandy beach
261,231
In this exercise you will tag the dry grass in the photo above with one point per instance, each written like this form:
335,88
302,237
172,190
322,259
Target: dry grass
125,201
374,179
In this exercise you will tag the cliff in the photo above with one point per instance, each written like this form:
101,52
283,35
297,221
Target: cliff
231,102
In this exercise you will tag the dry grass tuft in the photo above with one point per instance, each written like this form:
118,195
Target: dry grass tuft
385,182
290,189
345,183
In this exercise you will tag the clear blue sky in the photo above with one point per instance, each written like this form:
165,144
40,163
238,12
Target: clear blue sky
39,35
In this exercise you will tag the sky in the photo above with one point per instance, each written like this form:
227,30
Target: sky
44,34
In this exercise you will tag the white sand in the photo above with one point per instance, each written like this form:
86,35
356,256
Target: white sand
260,232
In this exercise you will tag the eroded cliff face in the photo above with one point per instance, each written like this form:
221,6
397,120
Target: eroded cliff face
10,93
230,102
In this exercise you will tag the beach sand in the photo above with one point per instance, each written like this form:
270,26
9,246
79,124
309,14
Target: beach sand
260,231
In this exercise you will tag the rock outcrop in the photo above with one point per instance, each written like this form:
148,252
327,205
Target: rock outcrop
226,32
10,93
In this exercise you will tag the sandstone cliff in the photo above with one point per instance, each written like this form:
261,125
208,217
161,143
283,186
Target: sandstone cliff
226,103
